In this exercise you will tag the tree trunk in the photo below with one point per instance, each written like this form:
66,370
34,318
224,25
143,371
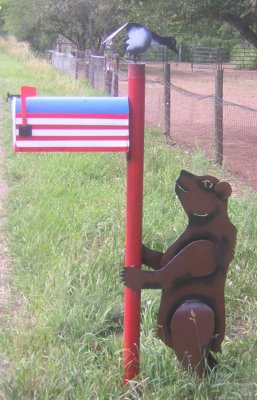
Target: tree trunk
242,26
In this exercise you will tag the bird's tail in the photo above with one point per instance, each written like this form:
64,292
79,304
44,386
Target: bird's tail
168,41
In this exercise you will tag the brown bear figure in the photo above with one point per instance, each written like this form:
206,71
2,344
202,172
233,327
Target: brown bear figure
192,273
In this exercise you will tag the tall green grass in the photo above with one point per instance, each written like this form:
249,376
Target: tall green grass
65,229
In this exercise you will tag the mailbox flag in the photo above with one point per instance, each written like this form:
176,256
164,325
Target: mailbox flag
71,124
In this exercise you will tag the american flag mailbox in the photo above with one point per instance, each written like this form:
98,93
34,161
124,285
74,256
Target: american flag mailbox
70,124
96,124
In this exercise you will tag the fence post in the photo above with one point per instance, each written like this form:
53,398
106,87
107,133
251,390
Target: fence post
219,116
115,75
108,75
167,132
87,70
76,67
91,69
87,65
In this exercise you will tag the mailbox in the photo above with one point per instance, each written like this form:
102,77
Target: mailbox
70,124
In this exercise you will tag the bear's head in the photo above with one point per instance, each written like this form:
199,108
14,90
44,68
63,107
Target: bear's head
202,197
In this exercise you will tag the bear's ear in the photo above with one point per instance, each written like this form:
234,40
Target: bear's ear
223,190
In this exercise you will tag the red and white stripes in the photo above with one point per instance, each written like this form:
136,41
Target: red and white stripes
56,132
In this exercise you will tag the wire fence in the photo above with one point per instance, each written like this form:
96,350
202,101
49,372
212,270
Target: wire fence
187,118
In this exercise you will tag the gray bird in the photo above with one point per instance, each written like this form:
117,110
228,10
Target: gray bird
139,38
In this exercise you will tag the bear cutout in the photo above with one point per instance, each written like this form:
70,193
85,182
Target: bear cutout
192,273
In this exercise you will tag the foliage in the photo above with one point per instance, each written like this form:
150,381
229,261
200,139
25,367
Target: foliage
2,30
25,19
200,17
40,22
65,224
240,15
80,21
86,22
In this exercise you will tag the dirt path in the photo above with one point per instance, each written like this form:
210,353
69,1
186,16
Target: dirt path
5,292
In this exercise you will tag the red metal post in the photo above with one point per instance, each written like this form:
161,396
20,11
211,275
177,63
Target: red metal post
134,213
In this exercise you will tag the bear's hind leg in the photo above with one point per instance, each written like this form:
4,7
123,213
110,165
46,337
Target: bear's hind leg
192,330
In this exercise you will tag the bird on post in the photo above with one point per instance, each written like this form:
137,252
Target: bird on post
139,38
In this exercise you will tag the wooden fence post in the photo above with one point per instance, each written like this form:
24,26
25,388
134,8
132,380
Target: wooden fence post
91,72
87,65
115,75
167,100
87,70
76,67
219,116
108,75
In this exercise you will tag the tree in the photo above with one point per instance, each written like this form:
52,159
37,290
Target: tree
196,16
241,15
25,20
1,20
85,22
157,15
80,21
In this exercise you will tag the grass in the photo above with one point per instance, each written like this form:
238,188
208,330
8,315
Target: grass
65,229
